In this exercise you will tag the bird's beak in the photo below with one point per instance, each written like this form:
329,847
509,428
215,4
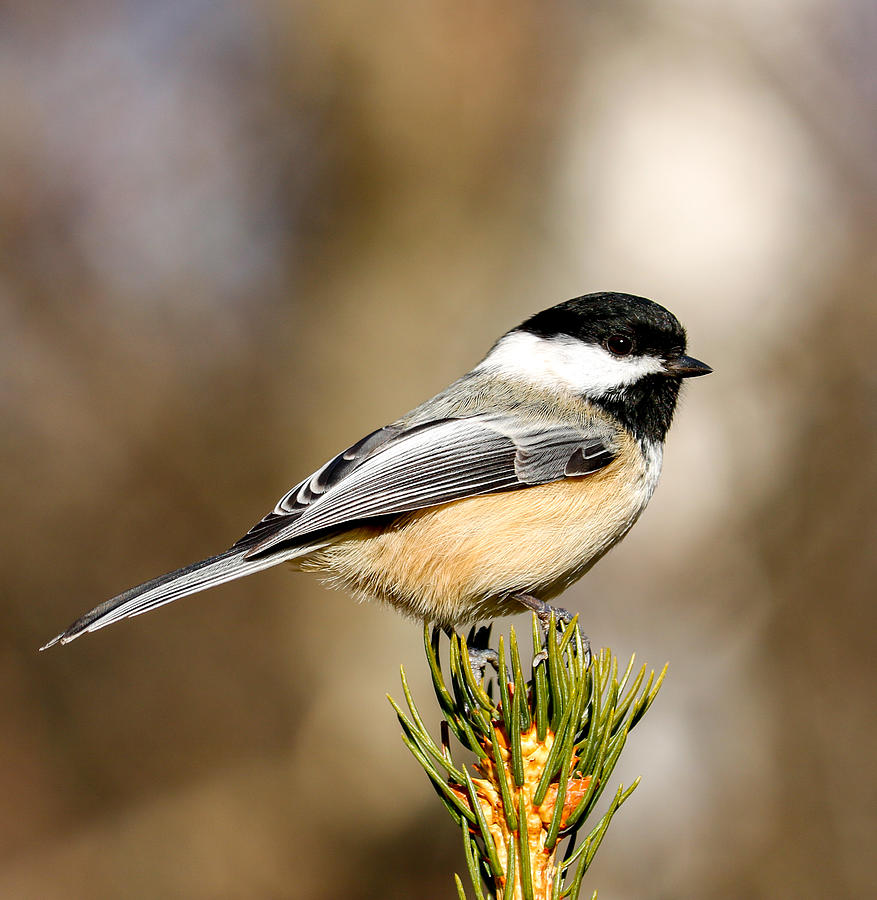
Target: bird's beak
686,367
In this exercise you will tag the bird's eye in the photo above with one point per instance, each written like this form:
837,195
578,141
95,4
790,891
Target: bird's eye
619,345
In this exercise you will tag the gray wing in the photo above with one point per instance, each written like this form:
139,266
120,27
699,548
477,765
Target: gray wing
394,470
397,470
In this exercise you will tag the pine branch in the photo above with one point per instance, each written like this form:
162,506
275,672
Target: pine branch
545,749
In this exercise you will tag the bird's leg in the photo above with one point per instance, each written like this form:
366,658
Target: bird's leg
543,611
480,654
562,618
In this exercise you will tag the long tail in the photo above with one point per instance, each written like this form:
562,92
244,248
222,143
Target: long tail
197,577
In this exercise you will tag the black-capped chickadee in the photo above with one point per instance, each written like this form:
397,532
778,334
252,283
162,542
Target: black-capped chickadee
494,495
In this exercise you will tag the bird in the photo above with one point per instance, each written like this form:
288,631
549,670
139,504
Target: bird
488,499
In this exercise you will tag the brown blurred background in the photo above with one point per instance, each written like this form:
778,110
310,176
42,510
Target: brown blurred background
234,237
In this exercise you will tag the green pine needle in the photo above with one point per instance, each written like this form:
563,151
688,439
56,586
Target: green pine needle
545,749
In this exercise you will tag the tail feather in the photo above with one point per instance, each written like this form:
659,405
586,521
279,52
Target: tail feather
197,577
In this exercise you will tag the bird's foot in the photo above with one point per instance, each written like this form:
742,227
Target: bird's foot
480,654
562,618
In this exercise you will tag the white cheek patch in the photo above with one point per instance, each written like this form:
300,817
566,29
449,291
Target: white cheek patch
565,362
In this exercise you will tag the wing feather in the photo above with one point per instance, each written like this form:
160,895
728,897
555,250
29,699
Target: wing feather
390,471
400,470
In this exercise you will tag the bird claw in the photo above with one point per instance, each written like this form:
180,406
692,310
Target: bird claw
480,654
562,618
543,612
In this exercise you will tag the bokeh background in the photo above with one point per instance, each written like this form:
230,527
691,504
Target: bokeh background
234,237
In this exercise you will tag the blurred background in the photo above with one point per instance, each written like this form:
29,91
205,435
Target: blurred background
234,237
